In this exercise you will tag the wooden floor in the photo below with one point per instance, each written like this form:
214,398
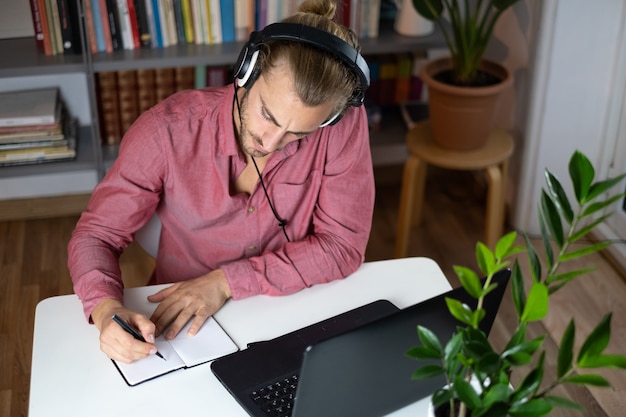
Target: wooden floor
33,256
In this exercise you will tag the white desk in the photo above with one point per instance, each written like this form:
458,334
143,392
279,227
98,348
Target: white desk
72,377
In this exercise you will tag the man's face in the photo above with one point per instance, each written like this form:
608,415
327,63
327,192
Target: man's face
273,116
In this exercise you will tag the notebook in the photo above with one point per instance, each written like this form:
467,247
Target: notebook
182,352
359,372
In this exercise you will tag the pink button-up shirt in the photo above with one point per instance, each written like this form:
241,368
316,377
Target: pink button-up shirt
181,158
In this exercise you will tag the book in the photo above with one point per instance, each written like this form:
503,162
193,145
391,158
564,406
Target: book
227,9
97,23
29,107
37,27
45,29
108,108
143,23
215,21
54,26
90,28
187,21
165,83
134,23
68,20
155,22
126,31
184,78
184,351
114,24
106,27
146,94
127,98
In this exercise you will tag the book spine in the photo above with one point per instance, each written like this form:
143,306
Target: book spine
184,78
227,9
114,25
196,13
134,23
403,80
97,24
153,23
108,108
170,20
127,98
188,21
106,27
165,35
123,21
143,25
179,21
38,29
199,76
164,83
53,24
146,92
45,28
68,27
216,76
242,30
216,21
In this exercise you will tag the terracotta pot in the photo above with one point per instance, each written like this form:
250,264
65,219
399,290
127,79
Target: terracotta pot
461,117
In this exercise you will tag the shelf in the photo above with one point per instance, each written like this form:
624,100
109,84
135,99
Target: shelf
85,160
22,58
388,42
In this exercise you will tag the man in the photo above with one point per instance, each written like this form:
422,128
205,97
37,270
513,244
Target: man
262,187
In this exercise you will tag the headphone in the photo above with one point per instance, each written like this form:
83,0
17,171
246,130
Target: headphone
246,71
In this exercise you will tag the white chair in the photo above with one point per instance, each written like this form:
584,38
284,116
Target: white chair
148,236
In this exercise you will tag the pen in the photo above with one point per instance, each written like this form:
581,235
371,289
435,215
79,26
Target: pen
132,331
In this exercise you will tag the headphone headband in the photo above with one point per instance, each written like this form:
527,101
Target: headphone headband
246,74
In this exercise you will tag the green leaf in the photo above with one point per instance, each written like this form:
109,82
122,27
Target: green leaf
595,207
583,231
606,361
505,245
535,263
441,396
584,251
460,311
547,243
453,347
568,276
603,186
485,259
422,352
469,280
466,392
588,379
551,217
517,285
532,408
427,372
596,342
429,339
581,173
563,403
498,393
537,303
503,4
566,350
559,197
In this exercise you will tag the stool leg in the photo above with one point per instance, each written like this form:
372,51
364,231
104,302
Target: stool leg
411,200
494,222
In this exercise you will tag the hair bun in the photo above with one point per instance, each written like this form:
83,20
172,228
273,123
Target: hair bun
324,8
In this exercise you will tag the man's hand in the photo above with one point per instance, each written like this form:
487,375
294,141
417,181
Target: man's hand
115,342
200,297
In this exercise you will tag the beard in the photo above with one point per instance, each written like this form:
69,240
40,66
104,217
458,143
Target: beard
246,138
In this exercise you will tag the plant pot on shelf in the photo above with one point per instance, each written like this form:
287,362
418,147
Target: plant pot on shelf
461,116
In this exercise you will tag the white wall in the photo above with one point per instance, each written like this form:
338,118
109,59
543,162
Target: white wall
573,88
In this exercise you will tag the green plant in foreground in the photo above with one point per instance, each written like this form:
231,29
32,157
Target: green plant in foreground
471,27
468,355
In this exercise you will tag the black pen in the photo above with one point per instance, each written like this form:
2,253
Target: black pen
132,331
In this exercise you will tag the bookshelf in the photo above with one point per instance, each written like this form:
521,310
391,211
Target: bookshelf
25,65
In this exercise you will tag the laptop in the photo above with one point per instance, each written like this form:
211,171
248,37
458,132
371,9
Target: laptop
348,369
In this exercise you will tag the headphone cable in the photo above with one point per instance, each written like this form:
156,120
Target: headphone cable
282,223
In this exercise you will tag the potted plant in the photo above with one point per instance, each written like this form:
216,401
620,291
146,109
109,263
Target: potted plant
464,88
477,374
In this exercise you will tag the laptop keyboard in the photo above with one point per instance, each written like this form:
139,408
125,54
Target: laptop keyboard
276,399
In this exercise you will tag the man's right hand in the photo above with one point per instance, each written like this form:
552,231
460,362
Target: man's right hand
115,342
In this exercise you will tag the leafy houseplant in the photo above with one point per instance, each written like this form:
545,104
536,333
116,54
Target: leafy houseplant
468,356
471,28
463,89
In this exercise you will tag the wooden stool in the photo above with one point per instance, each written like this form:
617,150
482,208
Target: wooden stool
492,157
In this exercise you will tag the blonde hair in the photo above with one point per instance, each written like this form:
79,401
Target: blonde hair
319,77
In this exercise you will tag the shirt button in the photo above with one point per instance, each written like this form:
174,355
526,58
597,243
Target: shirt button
251,247
250,209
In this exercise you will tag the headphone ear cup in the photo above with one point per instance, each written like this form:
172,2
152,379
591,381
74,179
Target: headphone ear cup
250,72
331,121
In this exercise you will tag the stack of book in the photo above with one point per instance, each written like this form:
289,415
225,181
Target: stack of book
35,127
